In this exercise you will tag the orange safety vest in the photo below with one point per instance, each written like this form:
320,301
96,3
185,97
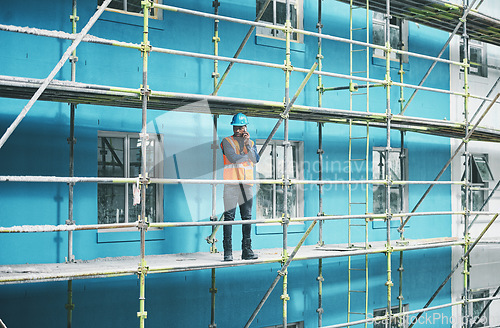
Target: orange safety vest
237,171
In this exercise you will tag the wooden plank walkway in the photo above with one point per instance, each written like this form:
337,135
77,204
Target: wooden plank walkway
128,265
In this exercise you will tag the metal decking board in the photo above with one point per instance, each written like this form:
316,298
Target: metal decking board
442,15
128,265
80,93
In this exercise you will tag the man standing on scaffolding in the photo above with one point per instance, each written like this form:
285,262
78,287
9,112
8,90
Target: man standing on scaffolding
240,155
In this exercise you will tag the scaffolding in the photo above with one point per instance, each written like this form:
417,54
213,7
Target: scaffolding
439,14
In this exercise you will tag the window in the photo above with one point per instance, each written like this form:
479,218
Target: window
398,35
477,58
400,322
270,166
480,174
276,14
119,155
299,324
398,166
477,308
133,7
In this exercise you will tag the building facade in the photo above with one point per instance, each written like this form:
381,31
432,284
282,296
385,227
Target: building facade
325,139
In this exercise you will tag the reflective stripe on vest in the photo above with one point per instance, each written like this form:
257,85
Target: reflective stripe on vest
237,171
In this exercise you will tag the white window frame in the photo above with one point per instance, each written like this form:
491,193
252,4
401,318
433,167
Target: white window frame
157,170
155,14
480,293
379,20
298,324
278,34
299,173
477,69
395,322
483,184
403,188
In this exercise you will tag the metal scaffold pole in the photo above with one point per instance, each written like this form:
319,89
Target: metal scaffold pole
143,220
402,155
213,217
285,218
320,151
467,177
388,178
71,141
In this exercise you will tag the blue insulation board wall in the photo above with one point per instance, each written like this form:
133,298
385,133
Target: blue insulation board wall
39,147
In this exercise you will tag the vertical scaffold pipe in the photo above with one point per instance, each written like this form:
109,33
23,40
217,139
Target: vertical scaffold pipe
401,165
320,173
213,217
387,153
71,141
143,221
286,143
468,201
70,306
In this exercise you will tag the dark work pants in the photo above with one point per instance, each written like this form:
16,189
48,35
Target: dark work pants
235,195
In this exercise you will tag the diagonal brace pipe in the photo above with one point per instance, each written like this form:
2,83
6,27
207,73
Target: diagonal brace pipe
243,43
462,259
464,141
452,35
52,74
280,274
287,109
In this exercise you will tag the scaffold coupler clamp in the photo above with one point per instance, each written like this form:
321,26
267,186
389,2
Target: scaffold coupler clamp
143,224
146,48
285,219
145,91
287,66
389,249
147,3
142,269
71,141
74,18
388,216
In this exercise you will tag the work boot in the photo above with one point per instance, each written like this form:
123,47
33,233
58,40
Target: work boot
246,250
227,243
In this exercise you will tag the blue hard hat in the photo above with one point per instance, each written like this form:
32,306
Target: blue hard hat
239,119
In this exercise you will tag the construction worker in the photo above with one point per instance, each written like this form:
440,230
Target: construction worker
240,155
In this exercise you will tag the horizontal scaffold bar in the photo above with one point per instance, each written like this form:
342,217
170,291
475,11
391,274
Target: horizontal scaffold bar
80,93
11,178
369,217
299,31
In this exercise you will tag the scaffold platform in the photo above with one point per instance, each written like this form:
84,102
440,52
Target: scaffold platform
92,94
128,265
